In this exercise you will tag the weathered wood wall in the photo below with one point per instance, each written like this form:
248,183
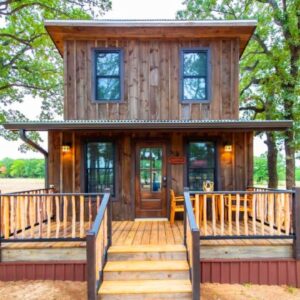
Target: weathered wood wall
151,80
66,171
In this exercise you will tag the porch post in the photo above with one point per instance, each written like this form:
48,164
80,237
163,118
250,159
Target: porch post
186,189
91,266
109,219
296,221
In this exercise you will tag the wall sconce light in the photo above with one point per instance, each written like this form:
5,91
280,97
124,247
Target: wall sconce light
66,148
228,148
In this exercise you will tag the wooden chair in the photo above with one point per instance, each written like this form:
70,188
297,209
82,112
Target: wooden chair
231,203
177,205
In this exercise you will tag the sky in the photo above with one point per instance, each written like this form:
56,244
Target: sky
121,9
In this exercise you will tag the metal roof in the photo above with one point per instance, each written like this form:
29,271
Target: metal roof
149,125
150,23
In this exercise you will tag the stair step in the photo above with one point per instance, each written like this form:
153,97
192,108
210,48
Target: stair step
133,270
146,248
121,266
146,289
147,252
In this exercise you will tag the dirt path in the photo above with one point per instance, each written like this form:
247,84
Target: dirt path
43,290
65,290
9,185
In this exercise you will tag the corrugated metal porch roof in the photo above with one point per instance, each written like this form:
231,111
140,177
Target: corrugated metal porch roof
149,124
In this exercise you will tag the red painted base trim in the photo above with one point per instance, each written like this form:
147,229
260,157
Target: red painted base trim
52,270
269,272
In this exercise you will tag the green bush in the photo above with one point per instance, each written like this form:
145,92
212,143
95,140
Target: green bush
22,168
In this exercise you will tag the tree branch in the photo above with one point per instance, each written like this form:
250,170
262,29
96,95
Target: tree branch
41,5
253,108
252,81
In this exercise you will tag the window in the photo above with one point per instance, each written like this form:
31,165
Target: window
194,75
100,167
108,70
201,164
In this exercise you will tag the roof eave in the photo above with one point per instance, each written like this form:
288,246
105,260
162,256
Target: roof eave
143,23
148,125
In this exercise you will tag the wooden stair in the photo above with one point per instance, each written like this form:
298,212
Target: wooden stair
146,272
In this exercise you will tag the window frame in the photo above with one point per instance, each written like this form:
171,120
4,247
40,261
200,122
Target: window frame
216,164
207,51
95,51
115,159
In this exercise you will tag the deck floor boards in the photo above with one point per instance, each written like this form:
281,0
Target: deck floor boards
147,233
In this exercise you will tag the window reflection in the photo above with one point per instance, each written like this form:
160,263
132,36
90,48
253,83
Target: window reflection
108,75
150,169
99,167
194,88
201,164
194,75
194,63
108,64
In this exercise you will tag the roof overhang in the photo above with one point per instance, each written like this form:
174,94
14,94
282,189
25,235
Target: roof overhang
224,125
61,30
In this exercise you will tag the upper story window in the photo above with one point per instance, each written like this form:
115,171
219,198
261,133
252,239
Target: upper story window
108,73
194,75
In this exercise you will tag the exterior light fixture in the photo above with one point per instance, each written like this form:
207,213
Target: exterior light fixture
65,148
228,148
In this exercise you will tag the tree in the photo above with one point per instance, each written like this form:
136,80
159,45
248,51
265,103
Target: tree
29,63
270,64
260,169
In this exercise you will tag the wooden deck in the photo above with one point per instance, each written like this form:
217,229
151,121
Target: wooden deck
148,233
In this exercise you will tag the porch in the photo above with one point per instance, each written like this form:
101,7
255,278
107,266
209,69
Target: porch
43,226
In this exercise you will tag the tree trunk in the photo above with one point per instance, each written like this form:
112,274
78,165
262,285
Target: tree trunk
272,160
290,159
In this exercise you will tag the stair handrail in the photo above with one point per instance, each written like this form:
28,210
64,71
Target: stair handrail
98,240
191,241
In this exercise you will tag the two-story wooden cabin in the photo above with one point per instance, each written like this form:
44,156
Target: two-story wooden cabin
151,106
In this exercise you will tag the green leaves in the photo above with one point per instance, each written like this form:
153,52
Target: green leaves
25,168
29,62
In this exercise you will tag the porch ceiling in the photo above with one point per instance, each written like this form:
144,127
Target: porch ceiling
231,125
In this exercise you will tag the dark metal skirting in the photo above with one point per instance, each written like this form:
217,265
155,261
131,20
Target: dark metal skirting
52,270
267,271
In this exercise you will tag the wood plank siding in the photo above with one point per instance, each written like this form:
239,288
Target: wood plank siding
151,80
66,170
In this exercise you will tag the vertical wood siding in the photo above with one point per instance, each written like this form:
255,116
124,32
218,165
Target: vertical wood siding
66,171
151,80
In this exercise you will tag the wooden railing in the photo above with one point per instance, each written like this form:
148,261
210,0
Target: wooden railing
35,191
36,216
191,240
99,238
258,214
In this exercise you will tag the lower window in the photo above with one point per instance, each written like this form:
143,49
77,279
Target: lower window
201,164
100,167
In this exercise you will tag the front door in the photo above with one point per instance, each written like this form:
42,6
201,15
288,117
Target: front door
151,180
